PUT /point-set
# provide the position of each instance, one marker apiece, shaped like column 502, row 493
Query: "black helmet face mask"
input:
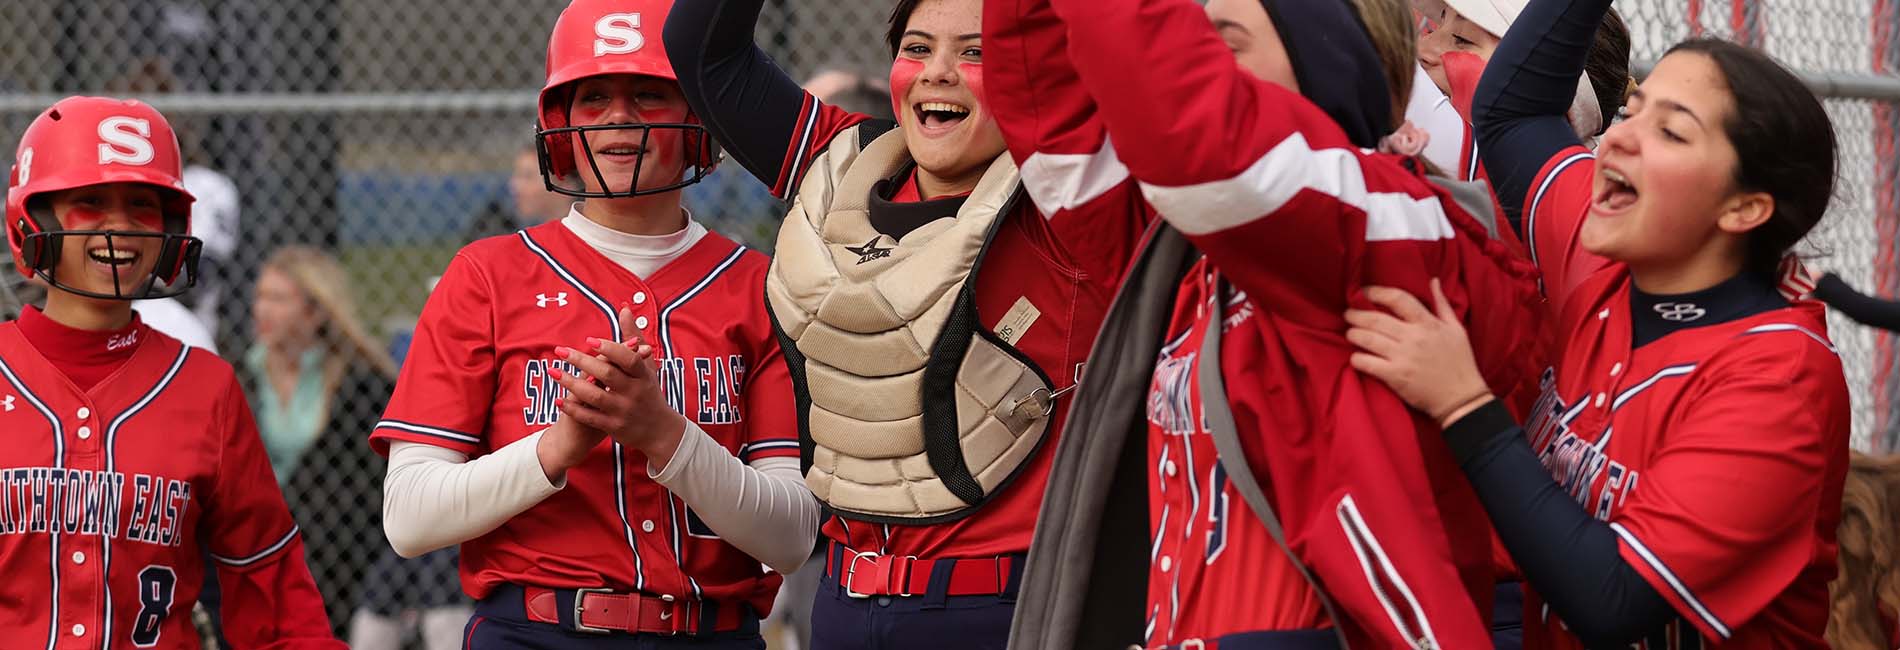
column 548, row 146
column 173, row 272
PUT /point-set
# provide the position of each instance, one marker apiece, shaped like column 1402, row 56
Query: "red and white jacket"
column 1297, row 221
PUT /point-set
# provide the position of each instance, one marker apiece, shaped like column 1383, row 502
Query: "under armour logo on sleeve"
column 559, row 299
column 8, row 403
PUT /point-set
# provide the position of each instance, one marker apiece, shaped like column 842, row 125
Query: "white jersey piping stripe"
column 1290, row 168
column 59, row 460
column 1065, row 181
column 1471, row 166
column 796, row 175
column 620, row 470
column 1529, row 216
column 1665, row 373
column 260, row 555
column 666, row 344
column 1366, row 546
column 1790, row 327
column 411, row 427
column 112, row 434
column 613, row 319
column 1675, row 584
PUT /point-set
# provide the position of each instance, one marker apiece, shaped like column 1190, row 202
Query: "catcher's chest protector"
column 911, row 410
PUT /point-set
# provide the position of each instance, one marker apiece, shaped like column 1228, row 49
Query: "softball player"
column 130, row 458
column 1679, row 483
column 595, row 408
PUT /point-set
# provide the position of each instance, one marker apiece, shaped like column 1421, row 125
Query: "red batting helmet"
column 83, row 141
column 602, row 37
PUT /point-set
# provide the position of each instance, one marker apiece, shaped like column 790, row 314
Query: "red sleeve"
column 447, row 385
column 1554, row 211
column 1748, row 472
column 1260, row 180
column 771, row 420
column 269, row 598
column 1060, row 145
column 817, row 124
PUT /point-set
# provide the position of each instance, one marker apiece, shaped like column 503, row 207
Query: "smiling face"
column 1665, row 175
column 937, row 81
column 1455, row 33
column 89, row 262
column 658, row 155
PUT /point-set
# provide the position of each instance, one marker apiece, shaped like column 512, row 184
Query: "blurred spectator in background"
column 214, row 220
column 172, row 317
column 528, row 203
column 852, row 91
column 318, row 383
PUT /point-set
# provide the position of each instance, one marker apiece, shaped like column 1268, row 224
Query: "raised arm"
column 760, row 116
column 1264, row 181
column 1051, row 125
column 1539, row 170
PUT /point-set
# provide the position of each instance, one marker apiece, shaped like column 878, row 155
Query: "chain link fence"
column 386, row 134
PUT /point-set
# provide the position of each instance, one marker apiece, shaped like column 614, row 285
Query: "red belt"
column 601, row 611
column 864, row 575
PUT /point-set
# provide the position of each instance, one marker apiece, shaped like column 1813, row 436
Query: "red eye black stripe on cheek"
column 972, row 74
column 904, row 71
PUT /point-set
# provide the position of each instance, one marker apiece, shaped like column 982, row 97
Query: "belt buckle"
column 580, row 600
column 852, row 570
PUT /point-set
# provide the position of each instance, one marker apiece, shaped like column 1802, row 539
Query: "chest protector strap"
column 912, row 411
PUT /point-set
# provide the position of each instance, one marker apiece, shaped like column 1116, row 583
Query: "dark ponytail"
column 1608, row 66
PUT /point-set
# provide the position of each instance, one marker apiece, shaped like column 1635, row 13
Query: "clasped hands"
column 616, row 395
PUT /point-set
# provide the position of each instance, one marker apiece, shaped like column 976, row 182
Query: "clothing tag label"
column 1016, row 323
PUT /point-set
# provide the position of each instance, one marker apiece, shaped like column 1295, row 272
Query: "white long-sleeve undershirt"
column 436, row 497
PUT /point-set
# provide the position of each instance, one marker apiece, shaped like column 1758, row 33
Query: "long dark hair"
column 1608, row 66
column 1784, row 144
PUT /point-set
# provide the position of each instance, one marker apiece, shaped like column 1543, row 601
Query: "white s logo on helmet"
column 618, row 34
column 125, row 140
column 25, row 166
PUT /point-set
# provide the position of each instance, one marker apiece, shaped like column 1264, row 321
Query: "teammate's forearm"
column 1518, row 113
column 1868, row 310
column 1570, row 558
column 435, row 498
column 737, row 92
column 763, row 509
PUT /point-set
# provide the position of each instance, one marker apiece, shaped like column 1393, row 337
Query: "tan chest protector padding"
column 914, row 412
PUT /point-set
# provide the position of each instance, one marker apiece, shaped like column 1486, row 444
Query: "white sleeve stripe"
column 1668, row 576
column 1529, row 216
column 1067, row 181
column 796, row 175
column 1365, row 544
column 1790, row 327
column 428, row 431
column 255, row 557
column 1290, row 168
